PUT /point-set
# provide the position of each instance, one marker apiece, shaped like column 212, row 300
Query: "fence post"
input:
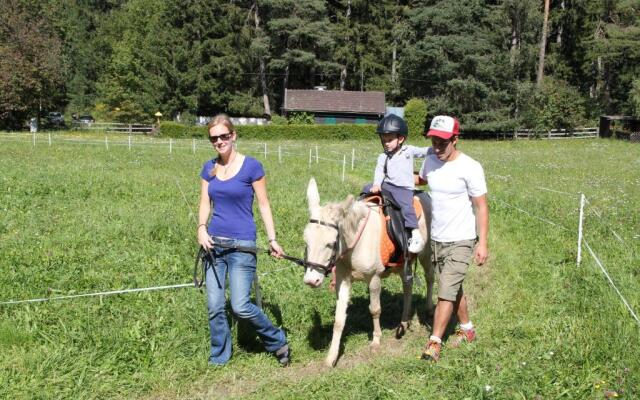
column 344, row 165
column 49, row 139
column 34, row 139
column 170, row 145
column 317, row 158
column 193, row 145
column 129, row 142
column 353, row 158
column 310, row 156
column 106, row 142
column 265, row 150
column 130, row 129
column 579, row 257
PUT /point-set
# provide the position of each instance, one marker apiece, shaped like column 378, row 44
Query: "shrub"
column 301, row 118
column 556, row 105
column 272, row 131
column 278, row 120
column 245, row 105
column 415, row 113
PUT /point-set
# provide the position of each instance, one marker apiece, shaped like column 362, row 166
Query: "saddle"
column 394, row 240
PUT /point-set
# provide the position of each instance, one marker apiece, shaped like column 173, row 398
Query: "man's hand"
column 374, row 189
column 481, row 253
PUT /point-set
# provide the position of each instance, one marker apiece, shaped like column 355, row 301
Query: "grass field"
column 84, row 215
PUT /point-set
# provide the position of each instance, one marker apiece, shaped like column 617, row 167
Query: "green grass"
column 77, row 218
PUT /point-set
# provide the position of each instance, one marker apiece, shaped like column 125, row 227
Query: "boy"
column 394, row 173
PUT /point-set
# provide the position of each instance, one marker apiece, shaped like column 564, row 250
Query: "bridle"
column 336, row 254
column 334, row 251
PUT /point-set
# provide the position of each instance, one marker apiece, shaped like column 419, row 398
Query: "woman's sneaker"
column 461, row 336
column 283, row 354
column 431, row 351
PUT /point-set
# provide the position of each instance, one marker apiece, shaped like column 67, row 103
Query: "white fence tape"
column 604, row 271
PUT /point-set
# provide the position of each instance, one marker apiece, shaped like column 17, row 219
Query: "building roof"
column 339, row 101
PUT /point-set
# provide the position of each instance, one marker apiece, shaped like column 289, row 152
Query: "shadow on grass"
column 359, row 318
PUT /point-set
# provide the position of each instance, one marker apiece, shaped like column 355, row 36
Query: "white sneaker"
column 416, row 243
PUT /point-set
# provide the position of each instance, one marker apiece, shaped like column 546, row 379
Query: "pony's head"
column 322, row 235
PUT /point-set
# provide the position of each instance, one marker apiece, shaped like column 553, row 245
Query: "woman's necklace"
column 226, row 166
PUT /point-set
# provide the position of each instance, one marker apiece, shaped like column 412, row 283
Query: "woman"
column 229, row 182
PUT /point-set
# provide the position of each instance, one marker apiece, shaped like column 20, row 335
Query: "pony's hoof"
column 401, row 329
column 330, row 362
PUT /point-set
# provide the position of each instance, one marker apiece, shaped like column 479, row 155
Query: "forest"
column 495, row 64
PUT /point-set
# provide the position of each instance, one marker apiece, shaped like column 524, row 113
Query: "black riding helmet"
column 393, row 124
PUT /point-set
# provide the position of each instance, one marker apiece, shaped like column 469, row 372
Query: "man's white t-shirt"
column 452, row 184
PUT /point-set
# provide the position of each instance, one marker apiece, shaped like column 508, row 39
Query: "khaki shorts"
column 451, row 261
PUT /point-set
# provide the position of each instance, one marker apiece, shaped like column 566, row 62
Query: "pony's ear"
column 313, row 197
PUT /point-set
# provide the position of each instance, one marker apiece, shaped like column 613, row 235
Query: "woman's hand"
column 375, row 189
column 276, row 250
column 204, row 239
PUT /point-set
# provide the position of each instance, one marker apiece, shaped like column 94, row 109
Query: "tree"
column 543, row 43
column 31, row 68
column 555, row 105
column 415, row 113
column 301, row 46
column 455, row 61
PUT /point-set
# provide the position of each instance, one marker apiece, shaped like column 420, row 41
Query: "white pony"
column 347, row 234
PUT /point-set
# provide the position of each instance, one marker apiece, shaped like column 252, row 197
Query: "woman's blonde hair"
column 217, row 120
column 221, row 119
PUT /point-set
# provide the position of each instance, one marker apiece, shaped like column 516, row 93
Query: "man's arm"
column 481, row 206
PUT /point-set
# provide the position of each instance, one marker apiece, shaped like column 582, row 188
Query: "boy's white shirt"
column 400, row 166
column 451, row 186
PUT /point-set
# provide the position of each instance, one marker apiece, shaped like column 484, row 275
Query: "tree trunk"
column 285, row 82
column 560, row 25
column 343, row 72
column 514, row 42
column 343, row 77
column 543, row 44
column 263, row 77
column 394, row 73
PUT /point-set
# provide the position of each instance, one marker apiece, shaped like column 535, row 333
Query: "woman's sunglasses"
column 224, row 137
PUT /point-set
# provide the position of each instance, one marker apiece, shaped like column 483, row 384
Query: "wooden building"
column 336, row 106
column 622, row 126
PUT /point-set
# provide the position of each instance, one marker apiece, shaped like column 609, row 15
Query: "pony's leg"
column 343, row 289
column 429, row 275
column 407, row 289
column 375, row 288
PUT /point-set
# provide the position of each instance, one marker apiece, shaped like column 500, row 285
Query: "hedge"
column 262, row 132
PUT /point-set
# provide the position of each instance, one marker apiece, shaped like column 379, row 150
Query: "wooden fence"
column 107, row 127
column 556, row 133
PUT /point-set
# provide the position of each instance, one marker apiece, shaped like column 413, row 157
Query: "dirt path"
column 390, row 348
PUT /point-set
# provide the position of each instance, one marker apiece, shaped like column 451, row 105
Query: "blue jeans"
column 403, row 197
column 241, row 267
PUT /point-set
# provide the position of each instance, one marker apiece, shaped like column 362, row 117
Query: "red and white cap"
column 444, row 127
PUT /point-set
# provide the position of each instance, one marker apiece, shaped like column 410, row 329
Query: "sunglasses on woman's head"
column 224, row 137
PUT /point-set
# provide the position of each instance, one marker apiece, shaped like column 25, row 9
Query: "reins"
column 207, row 255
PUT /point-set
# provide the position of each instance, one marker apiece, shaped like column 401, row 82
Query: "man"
column 459, row 228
